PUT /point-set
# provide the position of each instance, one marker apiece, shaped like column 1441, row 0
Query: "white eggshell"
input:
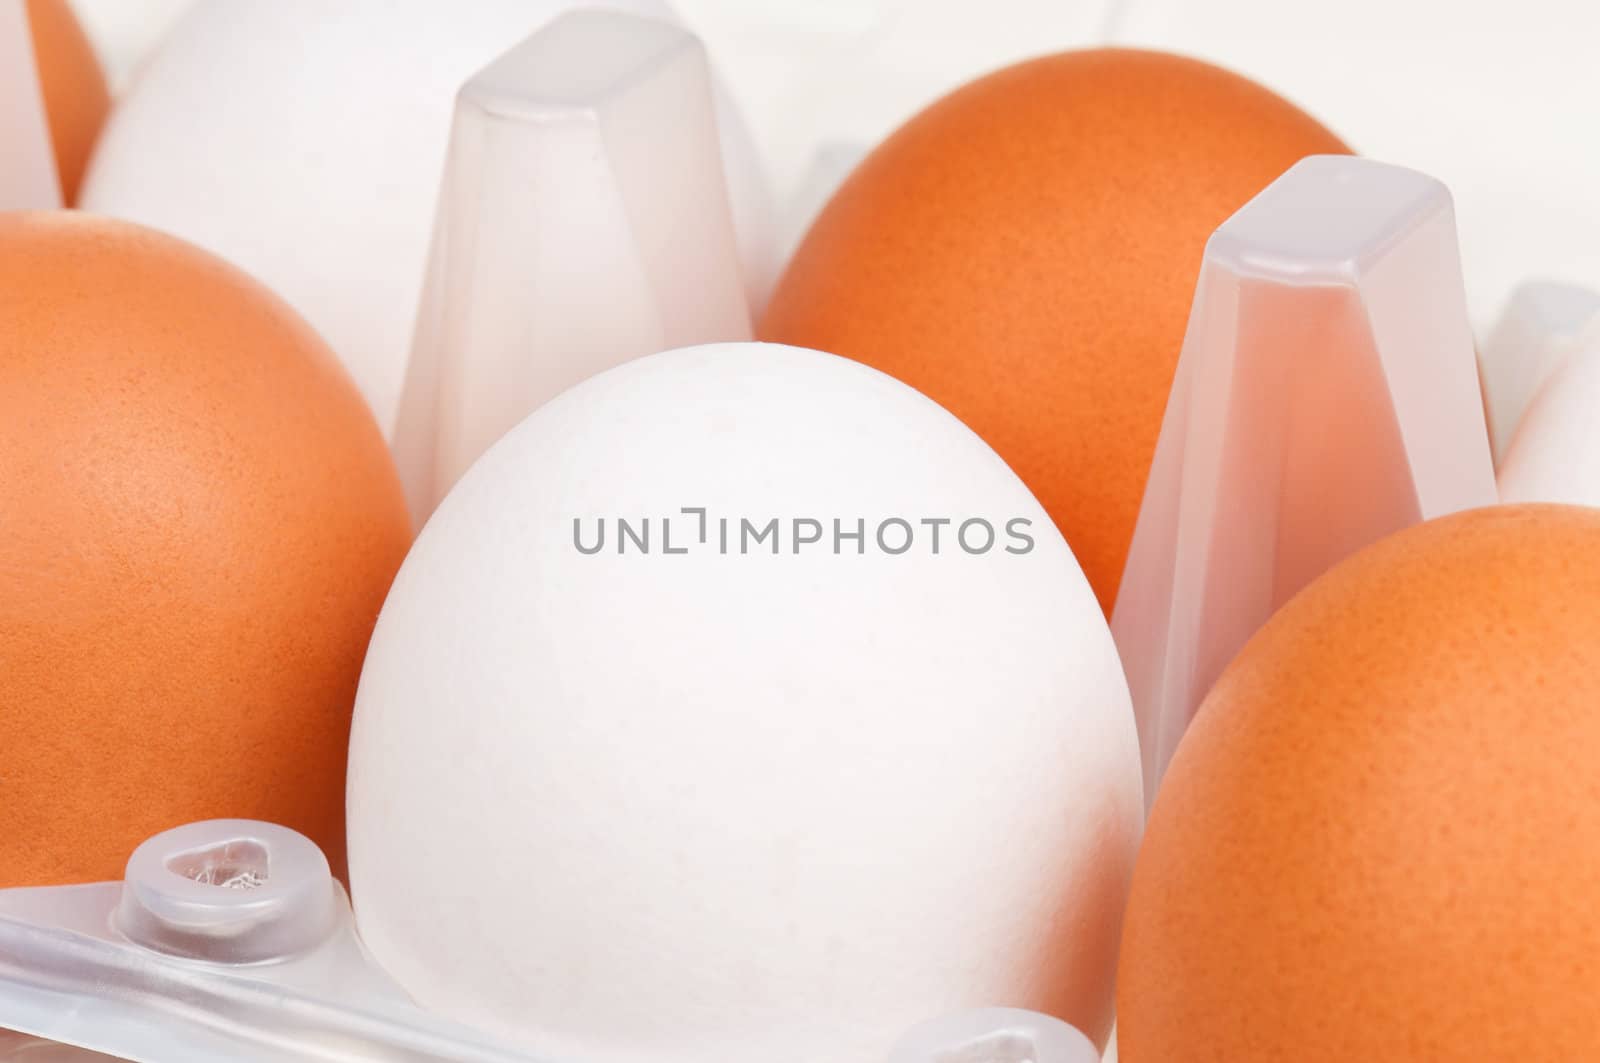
column 1555, row 454
column 304, row 141
column 736, row 806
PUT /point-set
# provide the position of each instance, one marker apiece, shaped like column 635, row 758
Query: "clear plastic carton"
column 1326, row 395
column 583, row 220
column 28, row 171
column 230, row 939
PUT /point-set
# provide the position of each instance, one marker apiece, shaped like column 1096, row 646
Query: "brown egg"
column 1025, row 251
column 74, row 88
column 198, row 524
column 1381, row 837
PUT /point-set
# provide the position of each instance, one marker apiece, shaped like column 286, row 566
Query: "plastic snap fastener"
column 228, row 891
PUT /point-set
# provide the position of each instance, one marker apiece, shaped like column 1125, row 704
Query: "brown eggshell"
column 74, row 88
column 1381, row 837
column 1024, row 252
column 198, row 523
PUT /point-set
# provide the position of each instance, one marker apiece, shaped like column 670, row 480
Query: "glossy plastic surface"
column 308, row 150
column 1541, row 370
column 1537, row 333
column 583, row 221
column 21, row 1048
column 27, row 160
column 227, row 939
column 995, row 1035
column 1326, row 396
column 833, row 162
column 810, row 73
column 1484, row 96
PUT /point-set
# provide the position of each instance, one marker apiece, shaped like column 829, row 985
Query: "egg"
column 198, row 523
column 741, row 704
column 305, row 142
column 71, row 88
column 1381, row 838
column 1024, row 251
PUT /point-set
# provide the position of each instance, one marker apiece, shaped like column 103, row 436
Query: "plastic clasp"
column 228, row 891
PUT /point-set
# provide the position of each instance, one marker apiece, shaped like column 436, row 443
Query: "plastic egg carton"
column 231, row 939
column 1329, row 306
column 29, row 174
column 633, row 244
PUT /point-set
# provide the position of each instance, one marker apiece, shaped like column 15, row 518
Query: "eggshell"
column 1381, row 837
column 305, row 141
column 711, row 806
column 74, row 88
column 1024, row 252
column 198, row 522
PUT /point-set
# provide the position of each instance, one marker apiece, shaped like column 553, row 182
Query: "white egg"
column 304, row 141
column 761, row 791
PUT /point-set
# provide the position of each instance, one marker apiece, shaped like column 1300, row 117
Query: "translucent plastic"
column 1533, row 339
column 995, row 1035
column 1542, row 365
column 834, row 162
column 815, row 72
column 227, row 939
column 1423, row 83
column 583, row 221
column 1326, row 396
column 27, row 160
column 21, row 1048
